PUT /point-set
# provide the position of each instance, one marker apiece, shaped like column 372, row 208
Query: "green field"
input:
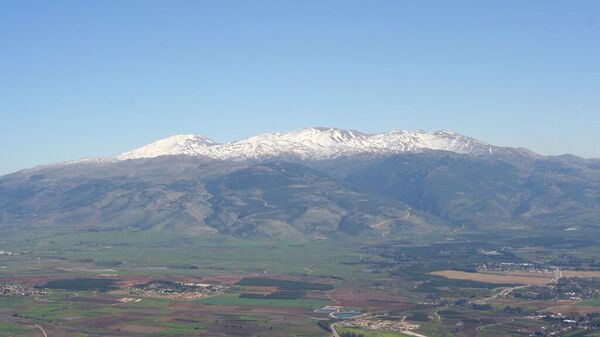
column 369, row 333
column 582, row 333
column 11, row 329
column 595, row 302
column 235, row 300
column 308, row 275
column 149, row 252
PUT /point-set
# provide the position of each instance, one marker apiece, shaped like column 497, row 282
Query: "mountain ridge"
column 401, row 195
column 315, row 143
column 314, row 182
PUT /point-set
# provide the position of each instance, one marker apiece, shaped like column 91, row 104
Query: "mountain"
column 199, row 196
column 316, row 182
column 483, row 192
column 314, row 143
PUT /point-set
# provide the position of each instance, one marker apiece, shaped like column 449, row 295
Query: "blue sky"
column 94, row 78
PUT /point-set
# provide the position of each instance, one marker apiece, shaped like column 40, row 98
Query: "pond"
column 346, row 315
column 328, row 309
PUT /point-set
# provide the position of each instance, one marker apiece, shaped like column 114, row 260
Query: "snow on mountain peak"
column 175, row 145
column 313, row 143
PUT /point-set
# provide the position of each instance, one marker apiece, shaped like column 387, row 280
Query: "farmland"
column 591, row 303
column 344, row 331
column 498, row 278
column 119, row 284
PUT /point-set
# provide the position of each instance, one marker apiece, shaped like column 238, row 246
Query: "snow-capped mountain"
column 361, row 190
column 176, row 145
column 313, row 143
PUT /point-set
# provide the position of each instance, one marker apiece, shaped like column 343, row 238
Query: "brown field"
column 582, row 310
column 369, row 298
column 517, row 278
column 575, row 273
column 316, row 294
column 260, row 289
column 229, row 279
column 130, row 281
column 137, row 329
column 534, row 304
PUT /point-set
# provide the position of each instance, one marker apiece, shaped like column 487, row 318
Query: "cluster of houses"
column 513, row 267
column 9, row 289
column 399, row 325
column 7, row 253
column 171, row 289
column 559, row 324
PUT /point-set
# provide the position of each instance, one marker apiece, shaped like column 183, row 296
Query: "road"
column 333, row 331
column 557, row 274
column 42, row 330
column 437, row 313
column 502, row 293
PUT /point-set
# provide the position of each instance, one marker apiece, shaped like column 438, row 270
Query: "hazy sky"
column 94, row 78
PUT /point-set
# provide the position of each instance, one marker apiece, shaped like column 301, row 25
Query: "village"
column 373, row 323
column 381, row 324
column 177, row 290
column 513, row 267
column 8, row 253
column 10, row 289
column 560, row 324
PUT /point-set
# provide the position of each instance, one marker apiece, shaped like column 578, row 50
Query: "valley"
column 137, row 283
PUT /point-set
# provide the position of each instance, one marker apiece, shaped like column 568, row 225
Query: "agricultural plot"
column 590, row 303
column 584, row 274
column 122, row 285
column 345, row 331
column 238, row 300
column 13, row 329
column 498, row 278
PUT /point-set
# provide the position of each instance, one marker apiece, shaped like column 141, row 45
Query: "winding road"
column 42, row 330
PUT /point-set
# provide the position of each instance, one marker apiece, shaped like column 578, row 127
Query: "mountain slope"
column 199, row 196
column 295, row 198
column 482, row 192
